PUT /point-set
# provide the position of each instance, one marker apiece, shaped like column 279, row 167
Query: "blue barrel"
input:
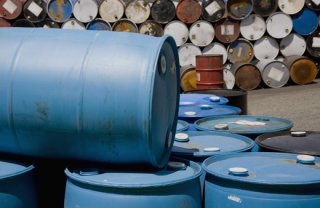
column 177, row 185
column 249, row 125
column 60, row 10
column 182, row 125
column 256, row 179
column 194, row 99
column 98, row 24
column 17, row 185
column 305, row 22
column 97, row 94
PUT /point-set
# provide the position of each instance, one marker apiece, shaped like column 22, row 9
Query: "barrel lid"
column 253, row 27
column 300, row 142
column 293, row 44
column 178, row 30
column 194, row 99
column 98, row 24
column 59, row 11
column 85, row 11
column 111, row 10
column 245, row 124
column 182, row 125
column 201, row 33
column 305, row 22
column 216, row 48
column 208, row 143
column 279, row 25
column 187, row 54
column 291, row 7
column 177, row 171
column 9, row 169
column 265, row 168
column 266, row 48
column 205, row 110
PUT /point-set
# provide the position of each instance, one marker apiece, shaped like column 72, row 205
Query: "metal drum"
column 201, row 33
column 188, row 53
column 111, row 10
column 253, row 27
column 299, row 142
column 196, row 98
column 302, row 69
column 4, row 23
column 239, row 9
column 313, row 44
column 85, row 11
column 163, row 11
column 10, row 9
column 17, row 185
column 228, row 78
column 22, row 23
column 213, row 10
column 227, row 30
column 182, row 126
column 305, row 22
column 178, row 30
column 118, row 132
column 216, row 48
column 236, row 97
column 191, row 113
column 73, row 24
column 265, row 8
column 279, row 25
column 99, row 24
column 152, row 28
column 266, row 48
column 275, row 74
column 35, row 10
column 313, row 4
column 188, row 11
column 125, row 25
column 293, row 44
column 188, row 78
column 48, row 23
column 247, row 76
column 240, row 51
column 177, row 185
column 249, row 125
column 138, row 11
column 60, row 10
column 291, row 6
column 209, row 70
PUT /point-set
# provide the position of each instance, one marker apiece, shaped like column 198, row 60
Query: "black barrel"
column 163, row 11
column 48, row 23
column 312, row 5
column 213, row 10
column 35, row 10
column 23, row 23
column 265, row 7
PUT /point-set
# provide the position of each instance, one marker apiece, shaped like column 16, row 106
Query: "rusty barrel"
column 239, row 9
column 227, row 30
column 10, row 9
column 247, row 76
column 151, row 27
column 209, row 70
column 240, row 50
column 125, row 25
column 188, row 11
column 213, row 10
column 188, row 78
column 302, row 69
column 265, row 7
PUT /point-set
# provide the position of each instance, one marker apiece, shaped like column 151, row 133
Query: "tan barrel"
column 188, row 78
column 247, row 76
column 125, row 25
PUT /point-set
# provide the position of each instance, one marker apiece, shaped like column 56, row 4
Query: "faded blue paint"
column 60, row 10
column 98, row 24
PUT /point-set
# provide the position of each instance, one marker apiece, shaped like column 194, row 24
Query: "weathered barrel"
column 266, row 48
column 255, row 179
column 188, row 53
column 10, row 9
column 60, row 10
column 291, row 7
column 216, row 48
column 227, row 30
column 201, row 33
column 138, row 11
column 313, row 44
column 188, row 11
column 303, row 70
column 305, row 22
column 99, row 24
column 279, row 25
column 265, row 7
column 253, row 27
column 48, row 23
column 188, row 78
column 213, row 10
column 111, row 10
column 177, row 185
column 63, row 103
column 163, row 11
column 152, row 28
column 240, row 50
column 239, row 9
column 35, row 10
column 178, row 30
column 125, row 25
column 293, row 44
column 22, row 23
column 247, row 76
column 73, row 24
column 85, row 11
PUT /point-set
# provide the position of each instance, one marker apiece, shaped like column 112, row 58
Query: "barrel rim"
column 27, row 168
column 184, row 123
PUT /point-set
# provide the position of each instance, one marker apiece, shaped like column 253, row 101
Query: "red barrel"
column 209, row 70
column 188, row 11
column 10, row 9
column 227, row 30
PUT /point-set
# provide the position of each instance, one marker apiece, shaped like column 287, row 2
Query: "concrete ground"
column 298, row 103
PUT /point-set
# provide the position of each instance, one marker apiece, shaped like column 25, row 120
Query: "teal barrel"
column 88, row 95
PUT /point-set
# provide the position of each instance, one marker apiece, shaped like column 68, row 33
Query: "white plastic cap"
column 306, row 159
column 190, row 113
column 221, row 126
column 298, row 133
column 211, row 149
column 214, row 99
column 182, row 137
column 238, row 171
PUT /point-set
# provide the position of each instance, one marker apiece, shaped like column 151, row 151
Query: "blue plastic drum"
column 195, row 99
column 177, row 185
column 268, row 180
column 305, row 22
column 182, row 125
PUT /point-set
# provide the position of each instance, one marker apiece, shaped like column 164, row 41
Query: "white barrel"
column 73, row 24
column 216, row 48
column 274, row 73
column 187, row 54
column 111, row 10
column 279, row 25
column 291, row 6
column 85, row 11
column 253, row 27
column 138, row 11
column 293, row 44
column 178, row 30
column 201, row 33
column 228, row 77
column 266, row 48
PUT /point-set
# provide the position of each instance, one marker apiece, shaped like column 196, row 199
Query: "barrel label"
column 275, row 74
column 316, row 2
column 35, row 9
column 213, row 8
column 227, row 29
column 198, row 77
column 234, row 198
column 9, row 6
column 239, row 52
column 316, row 42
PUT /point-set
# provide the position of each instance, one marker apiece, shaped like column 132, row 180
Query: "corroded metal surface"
column 125, row 25
column 188, row 11
column 152, row 28
column 10, row 9
column 240, row 51
column 227, row 30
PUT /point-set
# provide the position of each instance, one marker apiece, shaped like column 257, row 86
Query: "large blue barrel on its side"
column 177, row 185
column 305, row 22
column 88, row 95
column 17, row 185
column 268, row 180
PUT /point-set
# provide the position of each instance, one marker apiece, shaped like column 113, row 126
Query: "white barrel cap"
column 214, row 98
column 181, row 137
column 211, row 149
column 306, row 159
column 238, row 171
column 221, row 126
column 298, row 133
column 190, row 113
